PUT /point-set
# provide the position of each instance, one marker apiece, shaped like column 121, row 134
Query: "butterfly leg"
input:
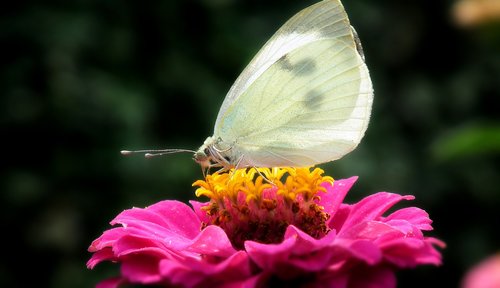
column 264, row 176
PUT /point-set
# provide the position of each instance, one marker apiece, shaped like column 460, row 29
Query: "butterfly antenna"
column 155, row 153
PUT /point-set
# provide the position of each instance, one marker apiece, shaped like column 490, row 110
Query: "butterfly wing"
column 305, row 98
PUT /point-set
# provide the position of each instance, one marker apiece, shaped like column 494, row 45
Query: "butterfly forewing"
column 325, row 19
column 305, row 98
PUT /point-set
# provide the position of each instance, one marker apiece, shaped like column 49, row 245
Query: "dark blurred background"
column 82, row 80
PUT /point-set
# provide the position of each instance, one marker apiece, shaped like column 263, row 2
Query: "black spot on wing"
column 305, row 67
column 312, row 99
column 285, row 63
column 299, row 68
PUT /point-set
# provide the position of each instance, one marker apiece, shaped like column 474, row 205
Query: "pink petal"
column 304, row 243
column 141, row 268
column 132, row 245
column 99, row 256
column 211, row 241
column 334, row 196
column 197, row 207
column 114, row 282
column 190, row 272
column 369, row 230
column 338, row 219
column 169, row 215
column 297, row 249
column 360, row 249
column 416, row 216
column 371, row 207
column 408, row 253
column 106, row 239
column 406, row 228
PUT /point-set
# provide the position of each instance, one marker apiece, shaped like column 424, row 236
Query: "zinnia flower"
column 290, row 229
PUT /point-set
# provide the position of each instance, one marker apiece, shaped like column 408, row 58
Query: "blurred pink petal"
column 486, row 274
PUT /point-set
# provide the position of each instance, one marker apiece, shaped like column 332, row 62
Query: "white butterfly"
column 304, row 99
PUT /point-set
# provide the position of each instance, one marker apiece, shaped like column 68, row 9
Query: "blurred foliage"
column 82, row 80
column 468, row 142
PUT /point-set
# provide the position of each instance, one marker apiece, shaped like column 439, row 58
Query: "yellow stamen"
column 248, row 207
column 249, row 181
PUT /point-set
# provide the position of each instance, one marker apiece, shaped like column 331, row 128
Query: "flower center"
column 249, row 207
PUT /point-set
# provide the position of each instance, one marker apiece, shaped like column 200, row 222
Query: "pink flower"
column 486, row 274
column 169, row 243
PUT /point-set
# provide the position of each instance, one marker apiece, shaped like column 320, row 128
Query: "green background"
column 82, row 80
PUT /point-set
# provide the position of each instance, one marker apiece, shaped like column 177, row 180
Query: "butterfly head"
column 214, row 153
column 202, row 157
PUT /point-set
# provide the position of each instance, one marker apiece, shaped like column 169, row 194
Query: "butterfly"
column 304, row 99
